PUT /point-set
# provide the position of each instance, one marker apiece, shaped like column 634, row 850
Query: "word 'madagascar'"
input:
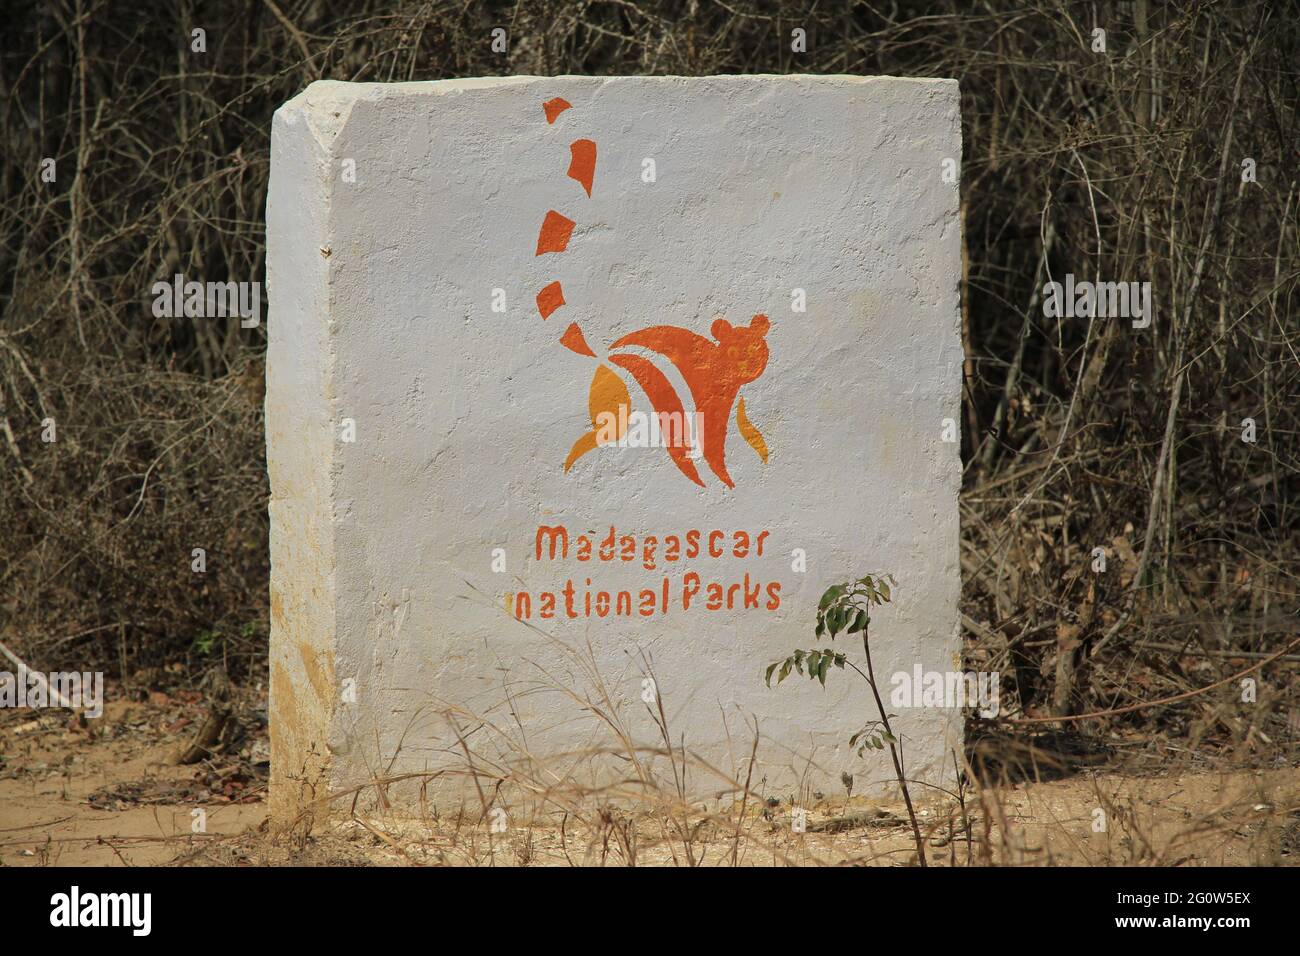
column 625, row 547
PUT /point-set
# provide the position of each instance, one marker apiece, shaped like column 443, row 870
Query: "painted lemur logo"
column 714, row 370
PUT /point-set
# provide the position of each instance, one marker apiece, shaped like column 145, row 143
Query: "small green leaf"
column 832, row 593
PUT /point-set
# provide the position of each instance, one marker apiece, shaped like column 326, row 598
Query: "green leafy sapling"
column 846, row 608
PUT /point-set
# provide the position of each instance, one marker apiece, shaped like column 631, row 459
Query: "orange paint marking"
column 664, row 399
column 555, row 233
column 573, row 341
column 550, row 299
column 583, row 165
column 554, row 108
column 609, row 399
column 750, row 432
column 713, row 371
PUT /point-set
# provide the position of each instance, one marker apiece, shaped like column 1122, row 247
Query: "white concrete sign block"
column 576, row 376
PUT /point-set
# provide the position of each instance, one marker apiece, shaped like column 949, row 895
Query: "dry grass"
column 622, row 801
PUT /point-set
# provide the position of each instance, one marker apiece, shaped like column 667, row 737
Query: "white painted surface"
column 382, row 548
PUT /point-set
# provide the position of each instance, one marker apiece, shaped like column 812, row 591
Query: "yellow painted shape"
column 749, row 432
column 607, row 396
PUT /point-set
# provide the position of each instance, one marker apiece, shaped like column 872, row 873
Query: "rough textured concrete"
column 382, row 294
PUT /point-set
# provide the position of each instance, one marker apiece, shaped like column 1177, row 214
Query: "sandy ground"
column 109, row 793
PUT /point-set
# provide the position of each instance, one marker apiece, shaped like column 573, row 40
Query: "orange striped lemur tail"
column 713, row 369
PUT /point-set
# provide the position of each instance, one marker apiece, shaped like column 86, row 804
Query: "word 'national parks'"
column 572, row 600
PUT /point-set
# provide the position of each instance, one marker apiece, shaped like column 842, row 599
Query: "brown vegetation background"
column 1124, row 165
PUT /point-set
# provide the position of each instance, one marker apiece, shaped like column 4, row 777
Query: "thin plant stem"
column 893, row 750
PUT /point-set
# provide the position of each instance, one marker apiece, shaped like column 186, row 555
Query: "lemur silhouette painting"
column 713, row 369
